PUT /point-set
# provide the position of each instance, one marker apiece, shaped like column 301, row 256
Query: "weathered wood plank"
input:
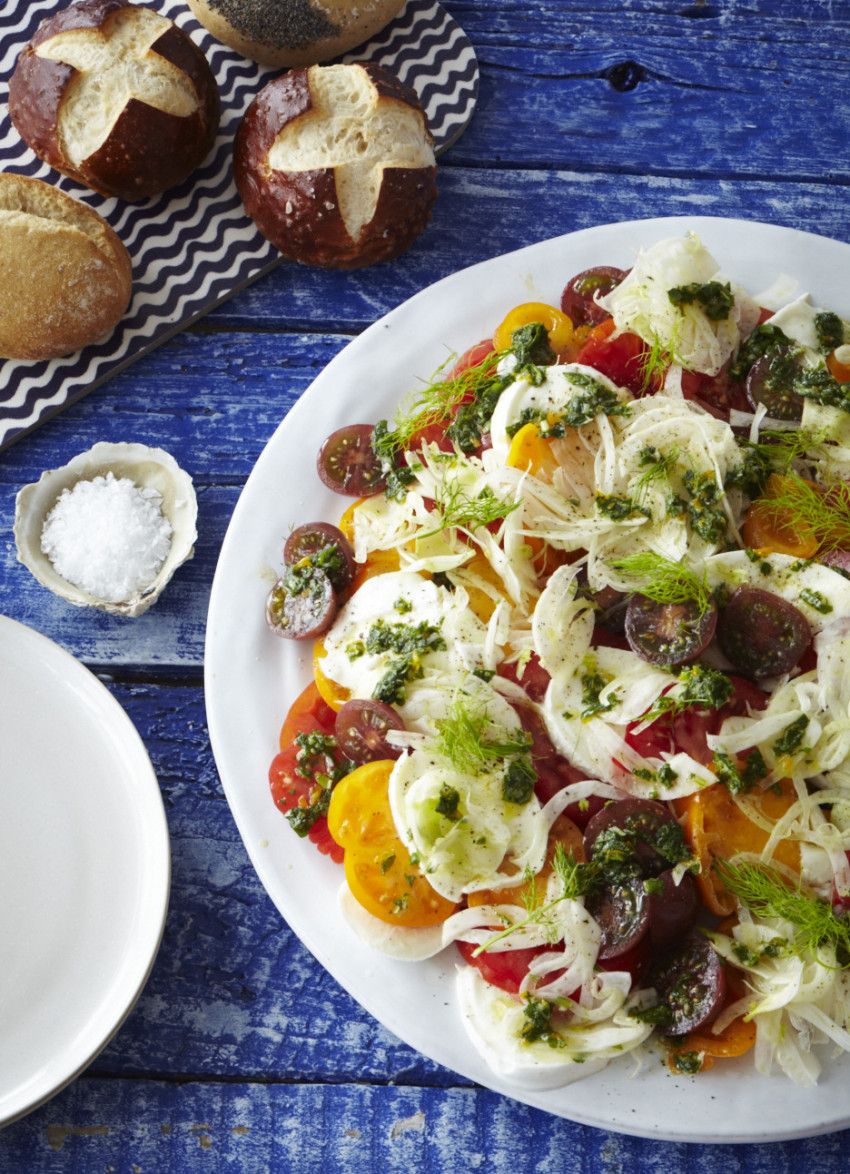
column 516, row 208
column 233, row 993
column 135, row 1126
column 709, row 90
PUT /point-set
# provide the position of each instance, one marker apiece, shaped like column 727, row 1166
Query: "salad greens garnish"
column 662, row 580
column 455, row 507
column 410, row 642
column 830, row 331
column 765, row 339
column 537, row 1026
column 592, row 684
column 795, row 504
column 470, row 739
column 791, row 738
column 767, row 895
column 739, row 780
column 434, row 403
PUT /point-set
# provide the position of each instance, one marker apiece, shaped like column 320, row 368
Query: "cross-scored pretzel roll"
column 115, row 96
column 335, row 165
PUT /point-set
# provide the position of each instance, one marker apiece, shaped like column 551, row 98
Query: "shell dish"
column 149, row 468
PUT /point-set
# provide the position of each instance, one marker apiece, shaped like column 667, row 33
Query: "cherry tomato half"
column 578, row 301
column 689, row 978
column 347, row 463
column 327, row 547
column 361, row 729
column 668, row 634
column 302, row 604
column 770, row 381
column 766, row 530
column 622, row 913
column 762, row 634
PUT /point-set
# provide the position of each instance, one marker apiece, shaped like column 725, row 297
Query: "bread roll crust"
column 65, row 277
column 292, row 33
column 147, row 149
column 299, row 210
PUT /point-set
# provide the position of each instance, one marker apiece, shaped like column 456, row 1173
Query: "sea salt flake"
column 108, row 537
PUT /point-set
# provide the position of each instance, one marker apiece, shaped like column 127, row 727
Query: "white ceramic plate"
column 84, row 867
column 252, row 676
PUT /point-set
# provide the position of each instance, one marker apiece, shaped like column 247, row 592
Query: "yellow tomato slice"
column 716, row 826
column 378, row 868
column 558, row 325
column 532, row 453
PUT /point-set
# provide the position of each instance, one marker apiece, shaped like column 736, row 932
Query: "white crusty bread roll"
column 289, row 33
column 117, row 97
column 65, row 277
column 335, row 165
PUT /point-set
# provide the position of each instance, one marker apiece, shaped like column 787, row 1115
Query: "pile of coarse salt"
column 108, row 537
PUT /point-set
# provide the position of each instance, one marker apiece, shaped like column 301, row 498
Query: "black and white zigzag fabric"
column 193, row 246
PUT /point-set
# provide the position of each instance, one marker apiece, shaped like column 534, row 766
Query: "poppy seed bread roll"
column 289, row 33
column 65, row 277
column 335, row 165
column 117, row 97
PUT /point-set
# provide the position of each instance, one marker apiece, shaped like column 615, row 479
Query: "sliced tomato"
column 716, row 827
column 688, row 731
column 505, row 969
column 534, row 679
column 766, row 529
column 291, row 786
column 378, row 867
column 623, row 358
column 308, row 712
column 558, row 326
column 472, row 357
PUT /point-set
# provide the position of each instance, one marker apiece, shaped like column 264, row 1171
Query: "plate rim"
column 217, row 722
column 151, row 827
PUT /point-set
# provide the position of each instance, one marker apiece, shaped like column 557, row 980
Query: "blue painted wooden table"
column 241, row 1053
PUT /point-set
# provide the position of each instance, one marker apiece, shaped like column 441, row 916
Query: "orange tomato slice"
column 378, row 868
column 715, row 826
column 331, row 693
column 837, row 369
column 765, row 531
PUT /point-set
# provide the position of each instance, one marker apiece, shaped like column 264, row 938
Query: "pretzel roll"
column 117, row 97
column 335, row 165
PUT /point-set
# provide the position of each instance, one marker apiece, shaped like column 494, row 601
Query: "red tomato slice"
column 472, row 357
column 534, row 679
column 622, row 358
column 506, row 970
column 290, row 788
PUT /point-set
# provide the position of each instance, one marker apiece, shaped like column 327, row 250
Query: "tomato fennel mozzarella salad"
column 581, row 707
